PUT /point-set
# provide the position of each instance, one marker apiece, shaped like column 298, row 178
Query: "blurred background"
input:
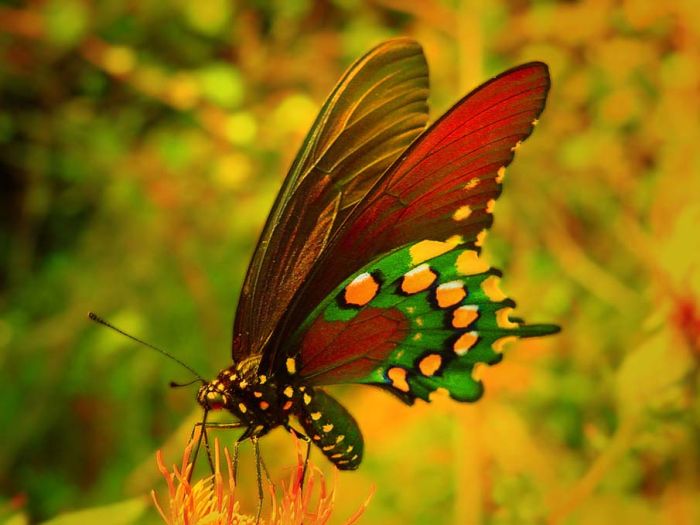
column 141, row 145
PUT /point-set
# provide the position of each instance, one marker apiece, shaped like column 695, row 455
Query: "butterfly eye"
column 212, row 397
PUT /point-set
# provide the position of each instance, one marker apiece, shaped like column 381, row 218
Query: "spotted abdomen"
column 332, row 428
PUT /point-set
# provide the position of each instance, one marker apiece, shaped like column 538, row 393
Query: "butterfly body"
column 262, row 404
column 368, row 269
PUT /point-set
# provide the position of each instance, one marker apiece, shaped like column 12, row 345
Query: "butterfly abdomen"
column 331, row 428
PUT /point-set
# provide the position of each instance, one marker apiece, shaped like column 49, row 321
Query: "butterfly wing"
column 376, row 110
column 443, row 187
column 422, row 318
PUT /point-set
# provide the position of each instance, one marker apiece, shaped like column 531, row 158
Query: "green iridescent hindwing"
column 457, row 318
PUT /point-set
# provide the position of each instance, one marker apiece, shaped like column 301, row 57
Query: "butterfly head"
column 250, row 397
column 213, row 395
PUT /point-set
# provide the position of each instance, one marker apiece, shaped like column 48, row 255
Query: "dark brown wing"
column 374, row 113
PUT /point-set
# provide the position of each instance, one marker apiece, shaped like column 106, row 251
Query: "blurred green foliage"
column 141, row 145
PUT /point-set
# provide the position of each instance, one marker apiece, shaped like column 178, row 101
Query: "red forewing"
column 443, row 185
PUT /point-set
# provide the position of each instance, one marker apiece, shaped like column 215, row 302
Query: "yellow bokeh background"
column 141, row 146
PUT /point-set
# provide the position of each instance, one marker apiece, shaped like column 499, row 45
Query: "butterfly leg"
column 204, row 436
column 235, row 461
column 258, row 462
column 307, row 440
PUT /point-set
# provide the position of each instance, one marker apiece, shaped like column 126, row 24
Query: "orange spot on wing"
column 490, row 205
column 469, row 263
column 449, row 294
column 430, row 364
column 398, row 379
column 463, row 316
column 491, row 288
column 361, row 290
column 418, row 279
column 479, row 371
column 465, row 342
column 503, row 318
column 499, row 344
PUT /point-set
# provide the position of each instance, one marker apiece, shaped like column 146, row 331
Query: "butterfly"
column 367, row 270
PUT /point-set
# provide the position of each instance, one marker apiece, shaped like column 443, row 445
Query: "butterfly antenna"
column 94, row 317
column 174, row 384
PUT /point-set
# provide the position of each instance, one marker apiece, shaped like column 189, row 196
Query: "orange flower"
column 212, row 500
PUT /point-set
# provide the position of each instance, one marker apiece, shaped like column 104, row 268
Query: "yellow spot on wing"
column 469, row 263
column 417, row 336
column 499, row 344
column 462, row 213
column 424, row 250
column 503, row 318
column 418, row 279
column 449, row 294
column 289, row 391
column 340, row 438
column 490, row 205
column 242, row 408
column 315, row 416
column 491, row 288
column 291, row 365
column 307, row 399
column 463, row 316
column 479, row 371
column 398, row 379
column 439, row 393
column 472, row 183
column 500, row 174
column 328, row 447
column 430, row 364
column 328, row 427
column 480, row 238
column 465, row 342
column 516, row 147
